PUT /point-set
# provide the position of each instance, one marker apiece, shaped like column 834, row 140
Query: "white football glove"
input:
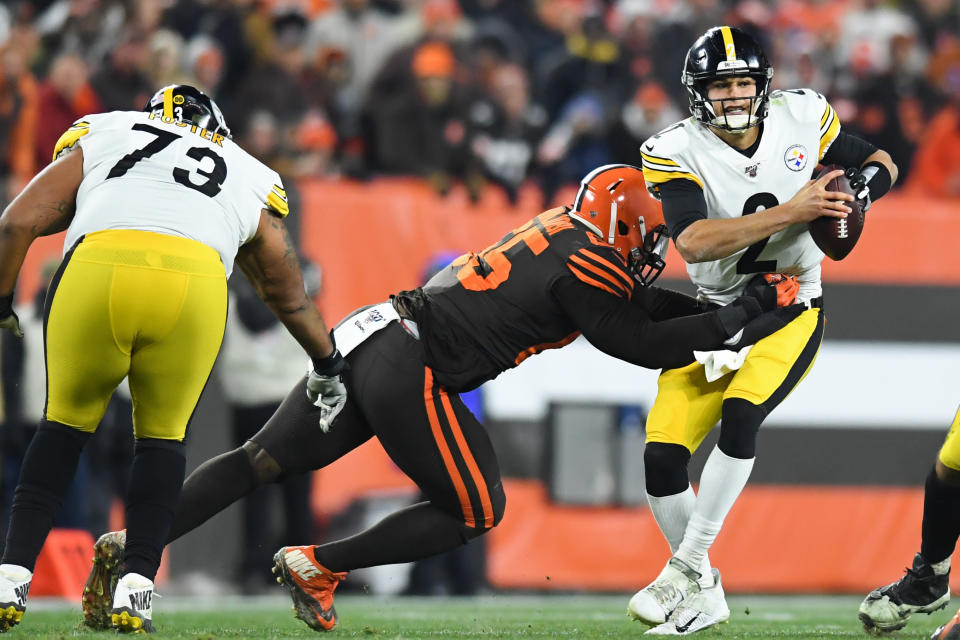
column 12, row 324
column 8, row 318
column 328, row 393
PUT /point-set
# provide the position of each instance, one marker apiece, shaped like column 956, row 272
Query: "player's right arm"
column 270, row 263
column 45, row 206
column 705, row 239
column 597, row 293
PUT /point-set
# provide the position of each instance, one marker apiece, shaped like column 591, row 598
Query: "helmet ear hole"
column 622, row 228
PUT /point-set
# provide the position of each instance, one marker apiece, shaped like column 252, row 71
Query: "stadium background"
column 406, row 129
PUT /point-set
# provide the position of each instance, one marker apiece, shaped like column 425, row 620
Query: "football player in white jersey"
column 157, row 205
column 735, row 184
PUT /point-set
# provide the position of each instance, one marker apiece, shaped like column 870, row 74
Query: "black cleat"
column 919, row 591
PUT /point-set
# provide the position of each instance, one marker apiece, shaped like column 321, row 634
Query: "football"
column 837, row 237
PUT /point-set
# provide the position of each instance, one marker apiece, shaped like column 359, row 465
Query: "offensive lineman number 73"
column 214, row 178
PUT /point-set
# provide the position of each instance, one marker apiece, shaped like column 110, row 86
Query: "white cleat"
column 700, row 610
column 14, row 586
column 133, row 605
column 653, row 604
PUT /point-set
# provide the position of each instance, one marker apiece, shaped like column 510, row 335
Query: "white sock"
column 671, row 514
column 942, row 567
column 722, row 481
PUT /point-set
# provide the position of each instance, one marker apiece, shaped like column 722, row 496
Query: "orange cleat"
column 311, row 585
column 949, row 631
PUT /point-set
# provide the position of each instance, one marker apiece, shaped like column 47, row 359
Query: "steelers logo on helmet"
column 186, row 103
column 727, row 52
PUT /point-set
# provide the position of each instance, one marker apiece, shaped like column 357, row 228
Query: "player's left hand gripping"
column 329, row 393
column 858, row 183
column 9, row 319
column 325, row 388
column 773, row 290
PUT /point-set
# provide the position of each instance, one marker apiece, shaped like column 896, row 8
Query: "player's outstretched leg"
column 653, row 604
column 97, row 598
column 920, row 590
column 132, row 610
column 311, row 585
column 14, row 585
column 698, row 611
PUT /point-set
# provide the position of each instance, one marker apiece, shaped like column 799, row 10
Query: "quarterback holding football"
column 735, row 182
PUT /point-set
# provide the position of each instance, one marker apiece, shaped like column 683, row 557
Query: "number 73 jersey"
column 143, row 172
column 797, row 132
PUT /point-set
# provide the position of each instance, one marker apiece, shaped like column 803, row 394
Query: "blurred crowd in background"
column 482, row 92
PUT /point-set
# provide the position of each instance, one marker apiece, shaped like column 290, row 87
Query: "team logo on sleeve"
column 796, row 157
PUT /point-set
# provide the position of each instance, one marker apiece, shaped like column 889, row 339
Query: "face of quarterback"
column 732, row 100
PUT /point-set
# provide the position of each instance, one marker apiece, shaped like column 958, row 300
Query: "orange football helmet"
column 611, row 203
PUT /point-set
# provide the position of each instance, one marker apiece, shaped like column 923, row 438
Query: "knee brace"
column 665, row 468
column 739, row 425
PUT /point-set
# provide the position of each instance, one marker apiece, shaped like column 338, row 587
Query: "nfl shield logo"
column 796, row 157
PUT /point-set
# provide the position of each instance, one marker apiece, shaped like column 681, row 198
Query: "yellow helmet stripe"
column 728, row 45
column 168, row 102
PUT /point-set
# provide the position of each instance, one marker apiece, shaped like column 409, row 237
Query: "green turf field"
column 494, row 616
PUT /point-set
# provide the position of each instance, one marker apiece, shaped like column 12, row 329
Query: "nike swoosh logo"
column 683, row 628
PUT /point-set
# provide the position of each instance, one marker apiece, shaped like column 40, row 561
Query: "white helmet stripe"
column 590, row 176
column 611, row 236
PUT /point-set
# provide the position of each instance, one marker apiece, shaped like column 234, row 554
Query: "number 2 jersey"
column 539, row 288
column 143, row 172
column 798, row 130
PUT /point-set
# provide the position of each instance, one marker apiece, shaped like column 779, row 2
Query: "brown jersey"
column 487, row 312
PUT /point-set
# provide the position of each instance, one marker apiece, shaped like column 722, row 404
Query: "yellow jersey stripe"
column 828, row 136
column 277, row 203
column 728, row 45
column 70, row 137
column 280, row 192
column 830, row 115
column 168, row 103
column 658, row 160
column 826, row 114
column 659, row 167
column 655, row 176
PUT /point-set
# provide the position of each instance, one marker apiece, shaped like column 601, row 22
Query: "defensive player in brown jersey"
column 570, row 271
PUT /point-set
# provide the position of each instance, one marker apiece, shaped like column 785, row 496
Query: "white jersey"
column 144, row 172
column 798, row 130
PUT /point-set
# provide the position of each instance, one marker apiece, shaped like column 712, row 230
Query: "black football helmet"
column 726, row 52
column 183, row 102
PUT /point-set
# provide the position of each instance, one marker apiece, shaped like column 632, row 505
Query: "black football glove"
column 858, row 184
column 9, row 319
column 763, row 325
column 772, row 290
column 735, row 316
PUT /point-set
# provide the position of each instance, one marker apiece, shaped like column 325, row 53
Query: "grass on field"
column 494, row 616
